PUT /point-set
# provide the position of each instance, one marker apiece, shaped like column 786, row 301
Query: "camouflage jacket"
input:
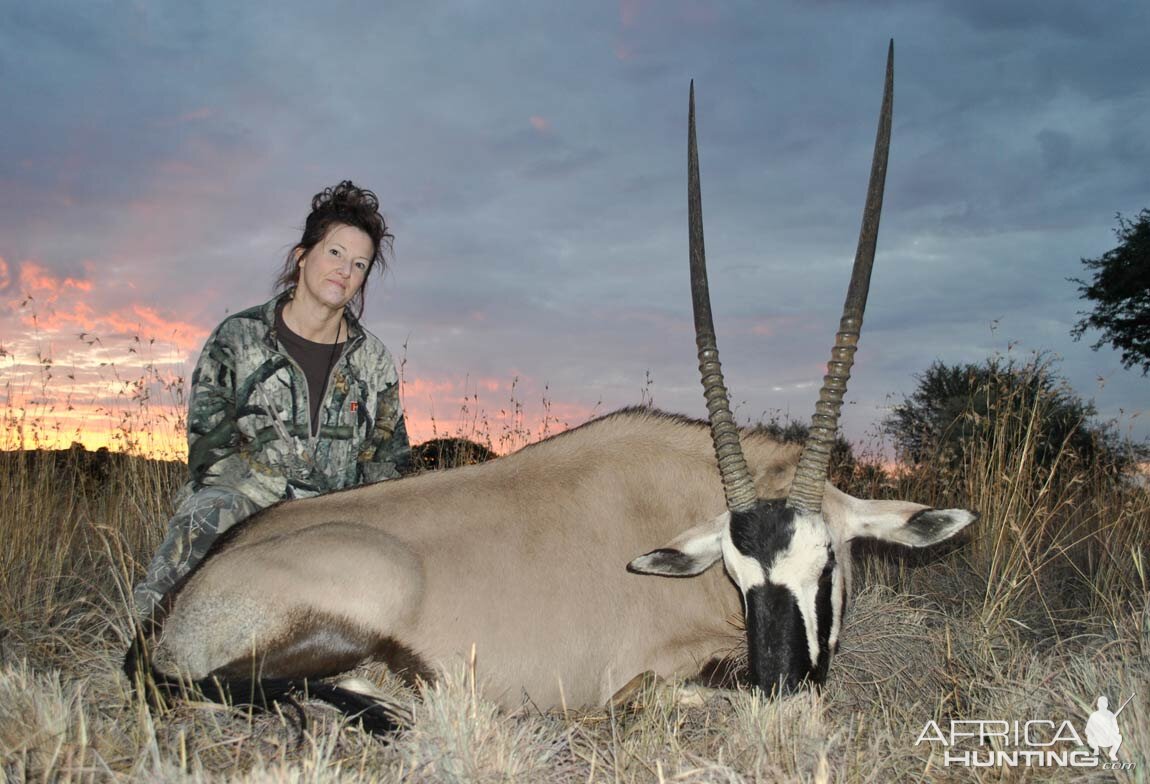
column 249, row 418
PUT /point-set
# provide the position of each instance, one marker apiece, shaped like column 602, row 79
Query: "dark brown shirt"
column 315, row 359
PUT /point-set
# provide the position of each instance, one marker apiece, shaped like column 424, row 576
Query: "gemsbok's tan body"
column 523, row 557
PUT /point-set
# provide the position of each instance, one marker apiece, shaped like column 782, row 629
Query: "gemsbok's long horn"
column 810, row 476
column 737, row 484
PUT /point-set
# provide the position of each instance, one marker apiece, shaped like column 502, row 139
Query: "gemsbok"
column 525, row 559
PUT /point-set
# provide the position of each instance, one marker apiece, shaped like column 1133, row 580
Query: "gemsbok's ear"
column 688, row 554
column 934, row 525
column 900, row 522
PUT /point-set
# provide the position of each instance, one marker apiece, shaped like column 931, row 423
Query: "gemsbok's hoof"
column 635, row 692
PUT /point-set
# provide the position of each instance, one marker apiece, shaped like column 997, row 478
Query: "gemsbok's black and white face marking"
column 785, row 562
column 790, row 567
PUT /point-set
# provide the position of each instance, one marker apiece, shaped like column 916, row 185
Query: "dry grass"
column 1041, row 608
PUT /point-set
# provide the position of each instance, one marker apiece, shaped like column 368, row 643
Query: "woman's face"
column 334, row 270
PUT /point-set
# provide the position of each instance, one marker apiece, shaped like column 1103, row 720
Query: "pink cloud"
column 41, row 283
column 541, row 124
column 505, row 412
column 425, row 387
column 189, row 335
column 4, row 278
column 65, row 303
column 629, row 11
column 777, row 325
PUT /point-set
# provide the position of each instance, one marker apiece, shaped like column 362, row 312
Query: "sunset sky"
column 159, row 158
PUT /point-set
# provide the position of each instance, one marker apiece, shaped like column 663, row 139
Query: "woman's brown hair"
column 345, row 204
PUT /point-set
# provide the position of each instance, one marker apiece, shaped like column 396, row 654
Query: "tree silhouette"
column 1120, row 291
column 1005, row 405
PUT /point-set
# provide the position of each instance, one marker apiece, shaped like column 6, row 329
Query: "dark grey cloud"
column 531, row 160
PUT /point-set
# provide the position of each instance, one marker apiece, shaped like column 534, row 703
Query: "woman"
column 291, row 398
